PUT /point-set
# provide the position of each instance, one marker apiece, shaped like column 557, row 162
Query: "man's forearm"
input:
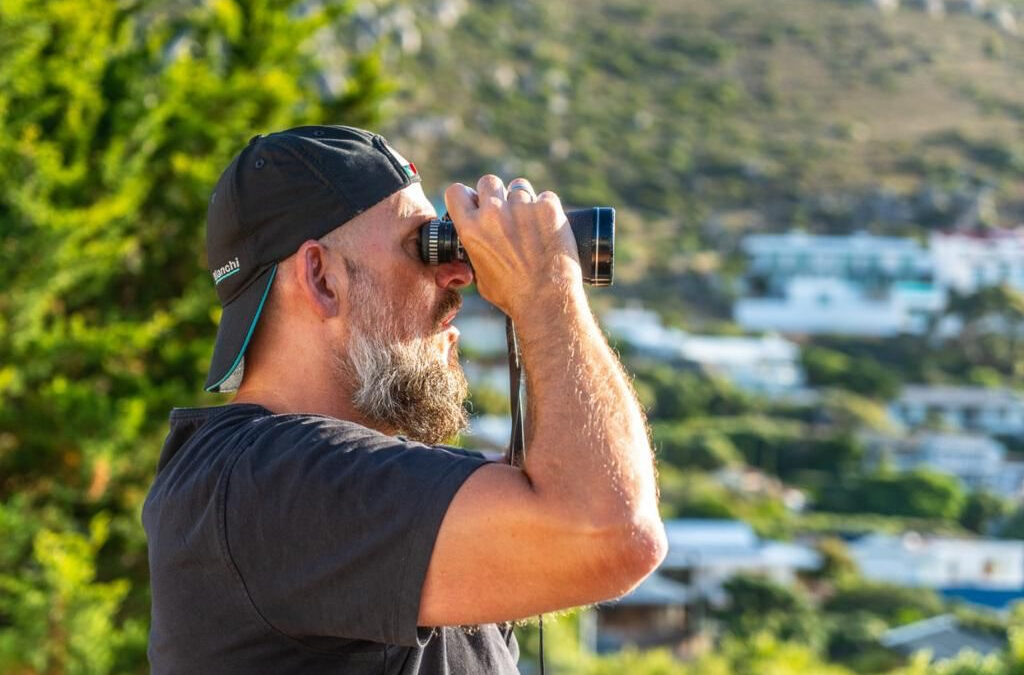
column 587, row 443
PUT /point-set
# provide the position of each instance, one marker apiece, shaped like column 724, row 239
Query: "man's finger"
column 460, row 200
column 520, row 190
column 490, row 188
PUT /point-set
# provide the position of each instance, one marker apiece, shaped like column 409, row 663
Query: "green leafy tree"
column 859, row 374
column 920, row 494
column 685, row 447
column 115, row 120
column 893, row 604
column 757, row 605
column 993, row 327
column 981, row 510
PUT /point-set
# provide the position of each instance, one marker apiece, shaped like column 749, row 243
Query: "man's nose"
column 455, row 274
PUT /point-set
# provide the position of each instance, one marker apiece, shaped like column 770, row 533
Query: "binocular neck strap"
column 517, row 442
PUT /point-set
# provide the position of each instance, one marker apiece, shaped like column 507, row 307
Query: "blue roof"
column 996, row 599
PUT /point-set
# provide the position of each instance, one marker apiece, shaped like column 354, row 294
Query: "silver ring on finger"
column 525, row 188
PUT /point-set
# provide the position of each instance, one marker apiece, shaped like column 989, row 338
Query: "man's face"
column 400, row 355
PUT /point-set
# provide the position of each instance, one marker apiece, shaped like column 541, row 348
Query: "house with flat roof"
column 760, row 364
column 998, row 411
column 840, row 306
column 774, row 259
column 982, row 571
column 979, row 461
column 967, row 262
column 704, row 554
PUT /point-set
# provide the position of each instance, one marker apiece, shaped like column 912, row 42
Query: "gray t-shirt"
column 299, row 544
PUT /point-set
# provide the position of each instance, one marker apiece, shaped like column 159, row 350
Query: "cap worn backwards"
column 283, row 189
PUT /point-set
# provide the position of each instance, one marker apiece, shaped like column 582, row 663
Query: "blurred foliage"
column 757, row 605
column 828, row 368
column 115, row 120
column 683, row 447
column 918, row 494
column 982, row 510
column 892, row 604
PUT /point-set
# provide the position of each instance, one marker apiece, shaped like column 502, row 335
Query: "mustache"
column 451, row 301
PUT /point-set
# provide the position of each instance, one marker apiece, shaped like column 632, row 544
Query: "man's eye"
column 412, row 245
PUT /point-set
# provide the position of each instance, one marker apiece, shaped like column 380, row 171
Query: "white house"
column 835, row 305
column 706, row 553
column 979, row 461
column 862, row 284
column 968, row 262
column 941, row 562
column 768, row 364
column 987, row 410
column 776, row 258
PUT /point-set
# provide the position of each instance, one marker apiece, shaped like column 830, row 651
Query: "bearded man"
column 315, row 524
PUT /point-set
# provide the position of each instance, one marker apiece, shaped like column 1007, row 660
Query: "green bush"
column 919, row 494
column 757, row 604
column 116, row 119
column 684, row 447
column 862, row 375
column 895, row 605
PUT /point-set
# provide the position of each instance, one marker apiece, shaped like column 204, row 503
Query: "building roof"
column 959, row 396
column 985, row 597
column 738, row 349
column 942, row 636
column 858, row 241
column 913, row 543
column 731, row 544
column 654, row 591
column 643, row 329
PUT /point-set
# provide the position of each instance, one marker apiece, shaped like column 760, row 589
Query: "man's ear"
column 320, row 279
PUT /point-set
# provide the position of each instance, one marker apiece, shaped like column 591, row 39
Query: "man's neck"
column 329, row 402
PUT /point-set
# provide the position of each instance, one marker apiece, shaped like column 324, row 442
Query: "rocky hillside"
column 710, row 118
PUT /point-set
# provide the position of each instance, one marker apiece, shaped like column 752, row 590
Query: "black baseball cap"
column 283, row 189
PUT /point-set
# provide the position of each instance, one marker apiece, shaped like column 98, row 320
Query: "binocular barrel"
column 593, row 228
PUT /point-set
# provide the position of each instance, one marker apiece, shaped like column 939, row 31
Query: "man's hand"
column 578, row 522
column 521, row 244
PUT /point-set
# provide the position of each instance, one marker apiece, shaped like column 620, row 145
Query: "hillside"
column 707, row 119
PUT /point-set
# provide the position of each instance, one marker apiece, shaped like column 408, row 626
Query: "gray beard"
column 402, row 384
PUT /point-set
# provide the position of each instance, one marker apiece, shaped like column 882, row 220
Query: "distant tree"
column 757, row 604
column 1013, row 526
column 853, row 634
column 837, row 563
column 981, row 510
column 685, row 447
column 993, row 327
column 920, row 494
column 860, row 374
column 674, row 394
column 893, row 604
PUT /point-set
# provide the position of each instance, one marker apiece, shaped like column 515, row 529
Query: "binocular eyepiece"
column 593, row 228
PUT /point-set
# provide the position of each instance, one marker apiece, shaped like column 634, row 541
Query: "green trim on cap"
column 248, row 336
column 225, row 276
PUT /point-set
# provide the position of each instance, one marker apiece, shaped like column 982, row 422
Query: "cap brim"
column 237, row 325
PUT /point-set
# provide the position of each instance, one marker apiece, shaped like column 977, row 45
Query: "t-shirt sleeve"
column 331, row 526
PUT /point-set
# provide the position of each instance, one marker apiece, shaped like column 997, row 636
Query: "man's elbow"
column 637, row 551
column 645, row 547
